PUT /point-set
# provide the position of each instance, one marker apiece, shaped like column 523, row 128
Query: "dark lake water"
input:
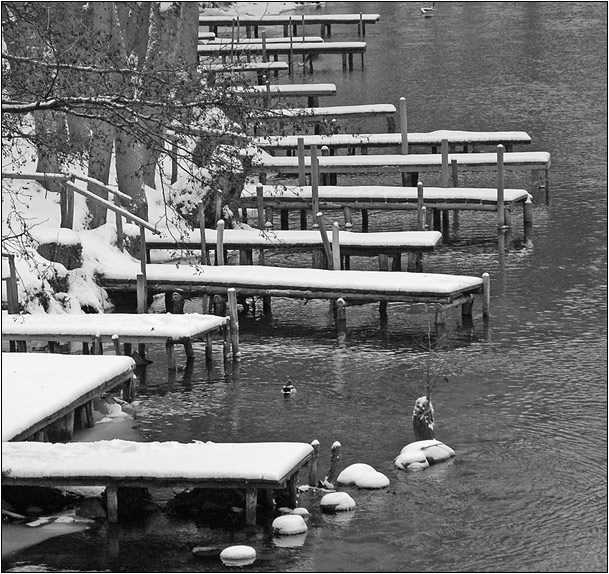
column 525, row 407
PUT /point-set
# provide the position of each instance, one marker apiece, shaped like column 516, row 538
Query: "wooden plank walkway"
column 311, row 91
column 391, row 244
column 130, row 328
column 468, row 140
column 383, row 198
column 118, row 463
column 441, row 290
column 264, row 163
column 39, row 389
column 237, row 43
column 308, row 49
column 317, row 114
column 262, row 69
column 325, row 20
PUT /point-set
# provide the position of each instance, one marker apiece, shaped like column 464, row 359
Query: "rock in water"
column 239, row 555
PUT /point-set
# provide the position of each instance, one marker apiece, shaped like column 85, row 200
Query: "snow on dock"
column 319, row 113
column 433, row 139
column 383, row 198
column 442, row 290
column 39, row 388
column 250, row 466
column 130, row 328
column 325, row 20
column 358, row 244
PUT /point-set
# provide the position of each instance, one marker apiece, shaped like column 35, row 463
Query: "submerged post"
column 500, row 188
column 234, row 322
column 313, row 463
column 486, row 295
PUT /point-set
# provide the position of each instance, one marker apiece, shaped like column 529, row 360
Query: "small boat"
column 428, row 12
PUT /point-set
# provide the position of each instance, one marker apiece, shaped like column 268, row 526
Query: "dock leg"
column 303, row 219
column 440, row 315
column 234, row 322
column 251, row 500
column 284, row 219
column 341, row 316
column 171, row 356
column 313, row 464
column 293, row 490
column 351, row 62
column 266, row 305
column 467, row 312
column 112, row 503
column 383, row 311
column 396, row 265
column 226, row 340
column 190, row 353
column 365, row 220
column 486, row 294
column 347, row 215
column 208, row 347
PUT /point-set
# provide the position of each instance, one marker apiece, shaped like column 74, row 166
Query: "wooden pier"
column 282, row 91
column 364, row 198
column 262, row 69
column 318, row 114
column 387, row 244
column 326, row 21
column 538, row 161
column 350, row 287
column 40, row 390
column 307, row 49
column 469, row 141
column 251, row 467
column 95, row 330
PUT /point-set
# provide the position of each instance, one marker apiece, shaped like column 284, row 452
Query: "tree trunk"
column 129, row 172
column 100, row 160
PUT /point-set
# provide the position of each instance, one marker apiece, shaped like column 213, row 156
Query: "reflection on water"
column 525, row 407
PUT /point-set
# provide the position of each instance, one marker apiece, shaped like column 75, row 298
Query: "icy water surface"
column 525, row 411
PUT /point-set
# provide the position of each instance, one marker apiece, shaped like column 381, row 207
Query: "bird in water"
column 288, row 389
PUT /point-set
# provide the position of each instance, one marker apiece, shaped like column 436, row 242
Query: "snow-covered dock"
column 442, row 291
column 468, row 140
column 307, row 49
column 264, row 163
column 302, row 115
column 118, row 463
column 357, row 244
column 254, row 22
column 383, row 197
column 41, row 389
column 279, row 91
column 261, row 68
column 96, row 329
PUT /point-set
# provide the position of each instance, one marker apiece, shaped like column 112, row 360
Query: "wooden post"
column 234, row 322
column 265, row 57
column 527, row 210
column 500, row 188
column 444, row 149
column 486, row 295
column 347, row 214
column 172, row 361
column 220, row 242
column 291, row 54
column 333, row 470
column 341, row 315
column 335, row 246
column 267, row 93
column 205, row 260
column 251, row 500
column 420, row 208
column 116, row 343
column 141, row 305
column 325, row 152
column 314, row 181
column 302, row 176
column 324, row 239
column 112, row 503
column 313, row 463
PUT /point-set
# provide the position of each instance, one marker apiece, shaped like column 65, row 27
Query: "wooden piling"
column 333, row 470
column 444, row 151
column 324, row 238
column 141, row 304
column 314, row 180
column 97, row 345
column 116, row 344
column 313, row 463
column 325, row 152
column 404, row 126
column 219, row 205
column 265, row 57
column 341, row 315
column 234, row 322
column 220, row 242
column 335, row 246
column 500, row 187
column 486, row 295
column 420, row 207
column 112, row 503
